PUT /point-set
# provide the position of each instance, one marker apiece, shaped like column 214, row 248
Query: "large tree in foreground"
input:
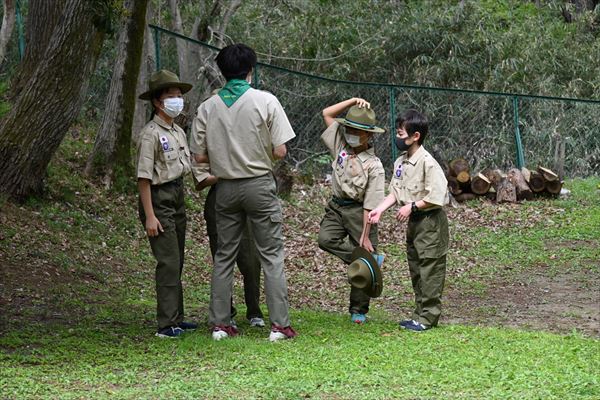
column 111, row 156
column 49, row 99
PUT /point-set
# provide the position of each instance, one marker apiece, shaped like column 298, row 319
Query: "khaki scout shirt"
column 239, row 140
column 358, row 177
column 419, row 177
column 162, row 153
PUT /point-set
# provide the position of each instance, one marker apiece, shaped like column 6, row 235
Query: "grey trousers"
column 247, row 259
column 255, row 199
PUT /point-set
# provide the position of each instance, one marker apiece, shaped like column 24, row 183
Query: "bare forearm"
column 334, row 110
column 146, row 196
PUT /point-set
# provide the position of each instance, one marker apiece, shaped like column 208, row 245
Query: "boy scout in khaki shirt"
column 241, row 132
column 419, row 186
column 163, row 158
column 358, row 186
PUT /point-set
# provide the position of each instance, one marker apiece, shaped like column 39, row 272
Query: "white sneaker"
column 257, row 322
column 275, row 336
column 219, row 334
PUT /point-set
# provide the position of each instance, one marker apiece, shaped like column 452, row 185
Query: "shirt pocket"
column 360, row 182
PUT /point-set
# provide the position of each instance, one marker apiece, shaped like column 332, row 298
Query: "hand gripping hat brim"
column 364, row 273
column 164, row 79
column 361, row 118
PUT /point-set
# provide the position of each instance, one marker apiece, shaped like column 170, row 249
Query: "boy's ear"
column 416, row 136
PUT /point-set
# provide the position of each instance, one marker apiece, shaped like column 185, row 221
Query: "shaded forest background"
column 536, row 47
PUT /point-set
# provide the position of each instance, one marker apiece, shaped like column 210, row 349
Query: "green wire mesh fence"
column 489, row 130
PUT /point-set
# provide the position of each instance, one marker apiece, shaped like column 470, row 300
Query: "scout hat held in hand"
column 364, row 273
column 362, row 118
column 161, row 80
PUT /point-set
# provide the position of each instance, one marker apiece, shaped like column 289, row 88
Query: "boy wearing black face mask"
column 358, row 181
column 420, row 188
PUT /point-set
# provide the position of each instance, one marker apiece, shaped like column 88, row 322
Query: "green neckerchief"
column 233, row 90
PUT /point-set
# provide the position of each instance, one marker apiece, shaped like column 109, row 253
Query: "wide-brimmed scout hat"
column 361, row 118
column 161, row 80
column 364, row 273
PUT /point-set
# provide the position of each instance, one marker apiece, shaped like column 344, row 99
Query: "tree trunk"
column 43, row 16
column 522, row 188
column 181, row 44
column 142, row 107
column 111, row 156
column 45, row 108
column 8, row 25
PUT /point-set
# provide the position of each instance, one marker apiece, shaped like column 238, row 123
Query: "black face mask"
column 401, row 144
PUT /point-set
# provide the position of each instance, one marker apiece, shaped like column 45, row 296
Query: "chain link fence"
column 489, row 130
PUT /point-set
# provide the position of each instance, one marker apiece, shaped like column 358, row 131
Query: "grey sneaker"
column 257, row 322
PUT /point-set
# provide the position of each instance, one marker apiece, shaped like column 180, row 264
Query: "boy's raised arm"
column 334, row 110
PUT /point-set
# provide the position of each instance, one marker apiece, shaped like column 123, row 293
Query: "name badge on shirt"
column 398, row 171
column 342, row 157
column 164, row 142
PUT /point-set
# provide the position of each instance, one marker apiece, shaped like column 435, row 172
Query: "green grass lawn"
column 77, row 306
column 330, row 359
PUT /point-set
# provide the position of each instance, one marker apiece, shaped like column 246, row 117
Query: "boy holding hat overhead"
column 163, row 158
column 358, row 186
column 420, row 188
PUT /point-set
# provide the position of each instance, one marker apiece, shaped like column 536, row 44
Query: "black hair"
column 235, row 61
column 156, row 95
column 413, row 121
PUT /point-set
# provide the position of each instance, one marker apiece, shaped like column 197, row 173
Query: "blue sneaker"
column 379, row 258
column 415, row 326
column 187, row 326
column 405, row 322
column 358, row 318
column 170, row 332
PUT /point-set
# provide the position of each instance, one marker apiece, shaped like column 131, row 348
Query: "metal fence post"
column 519, row 145
column 157, row 48
column 255, row 77
column 21, row 37
column 392, row 122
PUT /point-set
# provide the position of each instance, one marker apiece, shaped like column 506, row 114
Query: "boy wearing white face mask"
column 163, row 157
column 358, row 180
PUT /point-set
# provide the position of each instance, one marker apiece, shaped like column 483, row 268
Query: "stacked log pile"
column 512, row 186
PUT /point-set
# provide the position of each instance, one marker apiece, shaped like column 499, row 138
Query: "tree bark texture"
column 143, row 107
column 506, row 191
column 43, row 17
column 112, row 148
column 52, row 97
column 8, row 25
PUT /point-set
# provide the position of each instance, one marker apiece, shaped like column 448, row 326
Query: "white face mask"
column 173, row 106
column 352, row 140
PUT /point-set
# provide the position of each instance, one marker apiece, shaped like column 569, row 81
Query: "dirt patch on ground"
column 536, row 300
